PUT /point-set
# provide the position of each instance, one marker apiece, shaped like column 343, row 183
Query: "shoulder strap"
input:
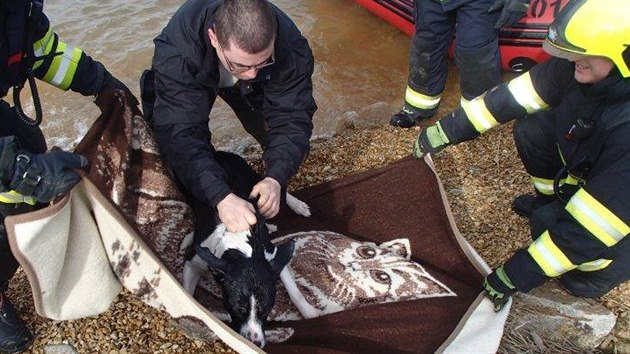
column 599, row 138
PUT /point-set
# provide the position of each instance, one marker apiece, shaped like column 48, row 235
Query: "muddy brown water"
column 360, row 71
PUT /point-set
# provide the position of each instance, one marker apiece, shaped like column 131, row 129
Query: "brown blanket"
column 421, row 293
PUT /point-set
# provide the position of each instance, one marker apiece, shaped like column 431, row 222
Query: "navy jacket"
column 186, row 70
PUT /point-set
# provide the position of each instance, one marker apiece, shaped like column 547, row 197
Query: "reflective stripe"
column 63, row 67
column 421, row 101
column 571, row 180
column 596, row 218
column 549, row 257
column 543, row 185
column 524, row 93
column 479, row 115
column 504, row 278
column 13, row 197
column 442, row 134
column 594, row 265
column 43, row 46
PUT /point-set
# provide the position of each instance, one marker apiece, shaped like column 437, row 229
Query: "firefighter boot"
column 409, row 116
column 525, row 204
column 14, row 335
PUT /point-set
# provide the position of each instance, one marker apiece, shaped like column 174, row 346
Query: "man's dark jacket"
column 186, row 83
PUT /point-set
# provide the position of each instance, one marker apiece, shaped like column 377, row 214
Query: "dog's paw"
column 271, row 228
column 298, row 206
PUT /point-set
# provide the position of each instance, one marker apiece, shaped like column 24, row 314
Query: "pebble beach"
column 481, row 178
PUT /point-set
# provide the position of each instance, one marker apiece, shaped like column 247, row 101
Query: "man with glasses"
column 252, row 55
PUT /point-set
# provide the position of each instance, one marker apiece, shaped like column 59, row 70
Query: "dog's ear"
column 283, row 256
column 213, row 261
column 260, row 229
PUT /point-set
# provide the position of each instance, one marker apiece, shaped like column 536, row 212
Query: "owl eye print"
column 336, row 273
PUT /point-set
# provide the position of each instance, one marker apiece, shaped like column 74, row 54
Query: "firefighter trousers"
column 536, row 141
column 476, row 47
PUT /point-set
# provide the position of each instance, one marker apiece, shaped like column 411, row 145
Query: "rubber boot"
column 14, row 335
column 524, row 205
column 409, row 116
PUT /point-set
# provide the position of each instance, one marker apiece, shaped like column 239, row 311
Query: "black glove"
column 111, row 83
column 430, row 140
column 45, row 176
column 499, row 288
column 513, row 11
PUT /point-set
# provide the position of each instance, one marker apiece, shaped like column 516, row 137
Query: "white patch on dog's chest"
column 222, row 240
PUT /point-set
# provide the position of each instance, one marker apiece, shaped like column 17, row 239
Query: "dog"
column 247, row 265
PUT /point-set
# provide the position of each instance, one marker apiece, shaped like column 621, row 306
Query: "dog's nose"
column 256, row 338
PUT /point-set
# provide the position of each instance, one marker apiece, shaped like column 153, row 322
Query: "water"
column 360, row 71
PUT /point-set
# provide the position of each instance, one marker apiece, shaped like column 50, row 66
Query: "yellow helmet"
column 592, row 27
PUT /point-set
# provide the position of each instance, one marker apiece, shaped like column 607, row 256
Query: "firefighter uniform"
column 477, row 56
column 476, row 50
column 572, row 136
column 29, row 175
column 32, row 45
column 577, row 149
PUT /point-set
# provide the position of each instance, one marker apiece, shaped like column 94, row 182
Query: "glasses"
column 238, row 68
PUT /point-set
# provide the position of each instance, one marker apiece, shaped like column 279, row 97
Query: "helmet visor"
column 557, row 44
column 551, row 49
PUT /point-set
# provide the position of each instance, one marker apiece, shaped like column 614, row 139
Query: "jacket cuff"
column 524, row 273
column 215, row 198
column 278, row 177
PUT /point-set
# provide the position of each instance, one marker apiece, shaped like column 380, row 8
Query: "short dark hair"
column 250, row 24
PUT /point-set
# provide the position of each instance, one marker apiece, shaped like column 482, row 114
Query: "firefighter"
column 476, row 24
column 572, row 129
column 29, row 175
column 249, row 53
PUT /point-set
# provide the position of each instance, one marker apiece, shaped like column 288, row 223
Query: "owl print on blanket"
column 337, row 273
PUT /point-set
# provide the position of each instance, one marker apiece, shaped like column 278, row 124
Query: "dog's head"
column 248, row 281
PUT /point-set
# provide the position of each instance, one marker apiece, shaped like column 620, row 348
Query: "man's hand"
column 431, row 139
column 236, row 213
column 46, row 176
column 513, row 11
column 268, row 190
column 499, row 288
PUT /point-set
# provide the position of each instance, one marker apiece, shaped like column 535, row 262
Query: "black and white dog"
column 247, row 264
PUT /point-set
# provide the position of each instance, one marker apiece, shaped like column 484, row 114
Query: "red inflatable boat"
column 521, row 45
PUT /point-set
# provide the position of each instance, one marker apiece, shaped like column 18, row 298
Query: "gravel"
column 481, row 177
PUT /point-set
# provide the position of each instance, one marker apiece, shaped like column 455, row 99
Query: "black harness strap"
column 35, row 11
column 22, row 18
column 597, row 139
